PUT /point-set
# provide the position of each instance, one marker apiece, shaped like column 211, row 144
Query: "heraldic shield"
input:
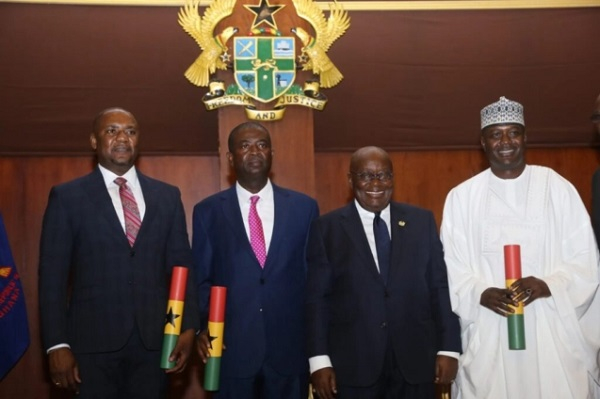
column 264, row 67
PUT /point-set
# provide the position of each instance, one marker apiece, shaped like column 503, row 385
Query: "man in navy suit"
column 379, row 319
column 264, row 356
column 103, row 296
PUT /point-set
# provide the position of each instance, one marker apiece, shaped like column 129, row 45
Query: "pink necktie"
column 130, row 210
column 257, row 236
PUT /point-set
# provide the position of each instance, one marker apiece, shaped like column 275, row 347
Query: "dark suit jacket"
column 351, row 314
column 596, row 204
column 113, row 285
column 264, row 315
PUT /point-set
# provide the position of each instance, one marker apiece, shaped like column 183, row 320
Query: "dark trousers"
column 132, row 372
column 390, row 385
column 267, row 384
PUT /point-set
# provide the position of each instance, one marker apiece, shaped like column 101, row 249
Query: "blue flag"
column 14, row 330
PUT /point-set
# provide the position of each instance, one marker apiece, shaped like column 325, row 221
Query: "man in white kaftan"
column 534, row 207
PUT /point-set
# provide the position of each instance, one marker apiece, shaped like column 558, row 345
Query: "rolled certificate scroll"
column 216, row 326
column 174, row 314
column 516, row 321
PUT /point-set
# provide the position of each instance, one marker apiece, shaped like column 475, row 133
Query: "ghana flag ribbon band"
column 174, row 315
column 515, row 321
column 216, row 326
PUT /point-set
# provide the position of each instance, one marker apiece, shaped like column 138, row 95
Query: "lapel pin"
column 401, row 223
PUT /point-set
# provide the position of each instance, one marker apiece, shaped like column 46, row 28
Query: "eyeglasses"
column 595, row 118
column 367, row 177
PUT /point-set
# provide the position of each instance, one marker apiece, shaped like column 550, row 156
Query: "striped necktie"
column 130, row 210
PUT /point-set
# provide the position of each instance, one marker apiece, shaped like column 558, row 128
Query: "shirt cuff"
column 319, row 362
column 455, row 355
column 52, row 348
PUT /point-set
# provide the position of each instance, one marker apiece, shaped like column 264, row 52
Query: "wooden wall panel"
column 292, row 141
column 421, row 178
column 196, row 177
column 413, row 79
column 424, row 178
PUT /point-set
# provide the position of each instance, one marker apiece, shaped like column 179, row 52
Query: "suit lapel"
column 281, row 218
column 231, row 210
column 150, row 193
column 97, row 193
column 351, row 223
column 398, row 229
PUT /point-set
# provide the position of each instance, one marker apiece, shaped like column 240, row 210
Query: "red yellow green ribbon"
column 174, row 315
column 516, row 320
column 216, row 326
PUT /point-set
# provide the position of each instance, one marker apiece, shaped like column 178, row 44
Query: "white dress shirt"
column 265, row 208
column 113, row 190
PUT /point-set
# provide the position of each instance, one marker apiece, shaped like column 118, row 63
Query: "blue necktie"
column 383, row 244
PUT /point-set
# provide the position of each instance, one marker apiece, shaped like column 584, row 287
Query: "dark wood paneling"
column 421, row 178
column 425, row 178
column 412, row 79
column 292, row 143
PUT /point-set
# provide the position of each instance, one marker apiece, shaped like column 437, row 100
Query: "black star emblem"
column 170, row 317
column 263, row 12
column 225, row 57
column 211, row 339
column 302, row 58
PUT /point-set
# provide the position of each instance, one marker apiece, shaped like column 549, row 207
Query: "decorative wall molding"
column 419, row 5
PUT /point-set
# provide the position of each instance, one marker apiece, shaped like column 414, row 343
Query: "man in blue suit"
column 379, row 319
column 104, row 274
column 264, row 272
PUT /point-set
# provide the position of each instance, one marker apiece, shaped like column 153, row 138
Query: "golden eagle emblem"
column 327, row 31
column 214, row 47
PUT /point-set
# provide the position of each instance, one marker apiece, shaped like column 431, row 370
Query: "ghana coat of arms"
column 264, row 61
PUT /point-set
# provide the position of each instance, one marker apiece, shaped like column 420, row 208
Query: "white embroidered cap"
column 502, row 111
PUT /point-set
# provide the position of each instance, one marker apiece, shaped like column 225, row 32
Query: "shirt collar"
column 109, row 177
column 266, row 194
column 363, row 213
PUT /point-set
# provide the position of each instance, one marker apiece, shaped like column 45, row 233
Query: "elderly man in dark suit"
column 380, row 323
column 263, row 268
column 109, row 242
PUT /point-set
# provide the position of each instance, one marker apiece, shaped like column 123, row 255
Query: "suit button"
column 132, row 253
column 383, row 325
column 262, row 281
column 386, row 294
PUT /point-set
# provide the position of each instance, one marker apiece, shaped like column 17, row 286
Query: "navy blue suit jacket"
column 351, row 313
column 112, row 284
column 264, row 316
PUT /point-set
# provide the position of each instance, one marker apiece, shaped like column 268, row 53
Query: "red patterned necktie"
column 130, row 210
column 257, row 236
